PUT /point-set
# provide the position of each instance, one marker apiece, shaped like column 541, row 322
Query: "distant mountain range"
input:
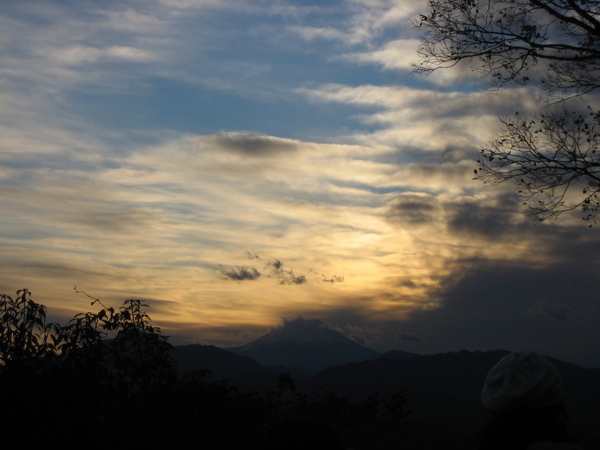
column 305, row 345
column 441, row 389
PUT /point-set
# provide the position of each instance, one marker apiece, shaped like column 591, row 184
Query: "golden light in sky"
column 288, row 164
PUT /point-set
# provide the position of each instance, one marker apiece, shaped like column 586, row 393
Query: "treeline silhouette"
column 107, row 379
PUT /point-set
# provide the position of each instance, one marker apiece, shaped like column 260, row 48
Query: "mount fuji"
column 306, row 344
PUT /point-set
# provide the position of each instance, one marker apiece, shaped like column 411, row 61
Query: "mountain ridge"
column 442, row 388
column 306, row 344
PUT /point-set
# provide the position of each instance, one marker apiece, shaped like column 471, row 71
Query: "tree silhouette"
column 107, row 379
column 554, row 45
column 72, row 374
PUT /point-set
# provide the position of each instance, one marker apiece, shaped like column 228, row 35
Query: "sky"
column 235, row 163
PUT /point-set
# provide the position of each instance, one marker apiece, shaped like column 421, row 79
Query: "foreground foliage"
column 107, row 379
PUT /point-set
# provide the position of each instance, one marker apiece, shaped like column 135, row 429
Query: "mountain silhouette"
column 442, row 390
column 304, row 344
column 398, row 354
column 445, row 388
column 222, row 364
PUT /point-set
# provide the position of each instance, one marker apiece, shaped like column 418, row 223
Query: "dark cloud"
column 483, row 304
column 412, row 209
column 284, row 276
column 572, row 245
column 408, row 283
column 277, row 271
column 557, row 311
column 254, row 145
column 494, row 218
column 491, row 305
column 407, row 154
column 369, row 337
column 458, row 154
column 240, row 273
column 272, row 268
column 331, row 278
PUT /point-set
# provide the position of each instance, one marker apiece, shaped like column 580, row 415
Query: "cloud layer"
column 235, row 162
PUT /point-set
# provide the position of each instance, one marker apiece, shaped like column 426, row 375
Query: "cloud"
column 369, row 337
column 277, row 271
column 331, row 278
column 413, row 209
column 400, row 117
column 396, row 55
column 64, row 49
column 274, row 269
column 254, row 145
column 360, row 23
column 378, row 338
column 497, row 216
column 498, row 305
column 145, row 141
column 79, row 55
column 142, row 21
column 424, row 103
column 557, row 311
column 312, row 33
column 240, row 273
column 486, row 303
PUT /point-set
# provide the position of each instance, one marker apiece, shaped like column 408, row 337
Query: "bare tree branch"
column 552, row 157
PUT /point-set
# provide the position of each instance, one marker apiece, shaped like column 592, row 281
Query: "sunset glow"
column 235, row 162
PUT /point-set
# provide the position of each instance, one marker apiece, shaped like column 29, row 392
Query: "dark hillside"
column 445, row 388
column 244, row 372
column 398, row 354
